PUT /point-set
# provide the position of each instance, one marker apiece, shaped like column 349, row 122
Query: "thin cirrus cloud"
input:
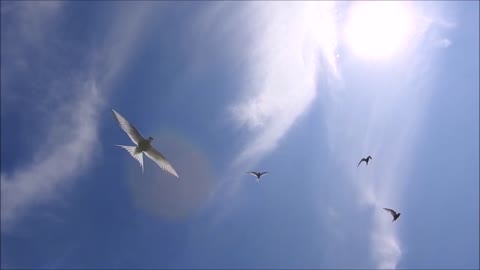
column 283, row 47
column 383, row 119
column 39, row 180
column 57, row 162
column 288, row 41
column 23, row 25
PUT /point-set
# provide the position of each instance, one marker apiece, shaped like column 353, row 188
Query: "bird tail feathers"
column 133, row 153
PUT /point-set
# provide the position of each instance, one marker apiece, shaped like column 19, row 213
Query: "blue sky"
column 303, row 90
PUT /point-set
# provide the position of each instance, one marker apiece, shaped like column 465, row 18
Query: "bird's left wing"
column 262, row 173
column 392, row 212
column 360, row 162
column 161, row 161
column 131, row 131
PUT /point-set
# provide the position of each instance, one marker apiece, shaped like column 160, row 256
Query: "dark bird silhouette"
column 394, row 214
column 257, row 174
column 365, row 159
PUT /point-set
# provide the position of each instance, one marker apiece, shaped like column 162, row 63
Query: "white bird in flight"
column 143, row 146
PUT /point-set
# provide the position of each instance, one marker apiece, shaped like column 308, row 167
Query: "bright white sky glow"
column 378, row 30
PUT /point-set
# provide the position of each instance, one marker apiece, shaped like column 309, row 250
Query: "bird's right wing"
column 252, row 173
column 131, row 131
column 262, row 173
column 392, row 212
column 161, row 161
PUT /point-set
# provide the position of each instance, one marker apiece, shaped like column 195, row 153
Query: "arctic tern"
column 143, row 146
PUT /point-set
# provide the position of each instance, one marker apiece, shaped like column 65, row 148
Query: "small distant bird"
column 394, row 214
column 364, row 159
column 257, row 174
column 143, row 146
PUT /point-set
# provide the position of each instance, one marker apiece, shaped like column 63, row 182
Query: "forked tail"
column 131, row 150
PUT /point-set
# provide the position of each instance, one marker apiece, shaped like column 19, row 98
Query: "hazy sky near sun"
column 302, row 90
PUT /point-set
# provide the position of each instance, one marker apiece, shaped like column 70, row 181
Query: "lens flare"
column 165, row 196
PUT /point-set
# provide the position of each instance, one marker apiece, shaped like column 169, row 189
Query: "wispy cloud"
column 24, row 25
column 383, row 119
column 286, row 42
column 56, row 162
column 386, row 245
column 282, row 71
column 71, row 127
column 279, row 49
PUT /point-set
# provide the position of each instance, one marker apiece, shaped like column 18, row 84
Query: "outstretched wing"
column 392, row 212
column 131, row 131
column 360, row 161
column 262, row 173
column 253, row 173
column 160, row 160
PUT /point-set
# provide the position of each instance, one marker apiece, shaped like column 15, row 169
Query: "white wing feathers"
column 137, row 156
column 131, row 131
column 160, row 160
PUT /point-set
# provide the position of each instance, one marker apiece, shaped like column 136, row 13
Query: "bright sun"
column 378, row 30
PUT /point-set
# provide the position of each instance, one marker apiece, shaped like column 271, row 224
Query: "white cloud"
column 283, row 58
column 386, row 246
column 71, row 140
column 381, row 117
column 57, row 162
column 278, row 49
column 25, row 24
column 283, row 65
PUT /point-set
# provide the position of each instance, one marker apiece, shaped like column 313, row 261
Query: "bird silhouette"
column 257, row 174
column 394, row 214
column 143, row 146
column 365, row 159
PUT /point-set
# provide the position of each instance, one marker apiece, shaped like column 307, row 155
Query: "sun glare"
column 378, row 30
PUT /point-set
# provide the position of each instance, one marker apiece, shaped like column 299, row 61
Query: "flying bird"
column 143, row 146
column 257, row 174
column 365, row 159
column 394, row 214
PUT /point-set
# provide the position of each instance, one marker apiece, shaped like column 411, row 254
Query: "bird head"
column 150, row 139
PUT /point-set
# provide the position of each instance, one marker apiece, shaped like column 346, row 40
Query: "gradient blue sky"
column 228, row 87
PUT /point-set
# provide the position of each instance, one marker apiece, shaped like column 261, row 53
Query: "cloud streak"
column 55, row 163
column 71, row 127
column 383, row 119
column 283, row 61
column 278, row 49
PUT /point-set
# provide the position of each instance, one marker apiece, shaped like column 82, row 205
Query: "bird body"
column 258, row 174
column 143, row 146
column 367, row 159
column 394, row 214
